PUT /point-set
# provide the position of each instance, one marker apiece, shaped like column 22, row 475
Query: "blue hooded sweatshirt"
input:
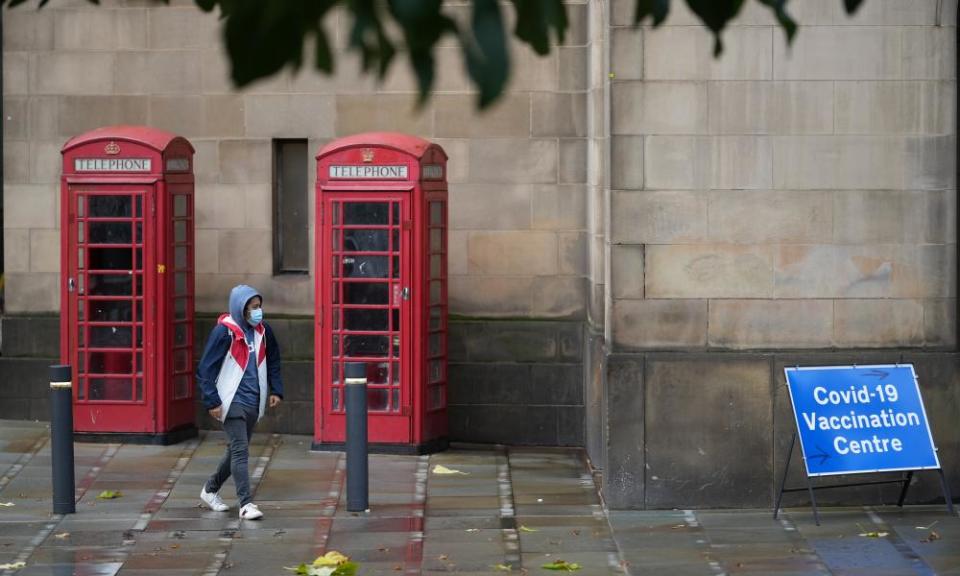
column 218, row 344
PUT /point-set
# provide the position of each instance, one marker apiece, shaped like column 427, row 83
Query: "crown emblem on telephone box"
column 367, row 154
column 112, row 148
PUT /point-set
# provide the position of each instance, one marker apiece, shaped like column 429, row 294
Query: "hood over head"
column 239, row 296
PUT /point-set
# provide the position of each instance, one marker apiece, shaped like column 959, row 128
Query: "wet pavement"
column 505, row 510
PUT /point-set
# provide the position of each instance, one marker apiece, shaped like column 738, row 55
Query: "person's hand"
column 275, row 400
column 215, row 412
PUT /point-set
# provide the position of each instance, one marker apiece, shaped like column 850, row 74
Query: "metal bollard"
column 355, row 396
column 61, row 439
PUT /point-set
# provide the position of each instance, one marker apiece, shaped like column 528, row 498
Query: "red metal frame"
column 396, row 248
column 127, row 280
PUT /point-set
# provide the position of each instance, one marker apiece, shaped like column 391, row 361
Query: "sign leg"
column 783, row 482
column 946, row 491
column 906, row 486
column 813, row 502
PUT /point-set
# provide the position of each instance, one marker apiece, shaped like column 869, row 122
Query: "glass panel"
column 377, row 399
column 179, row 334
column 435, row 344
column 365, row 320
column 360, row 240
column 394, row 400
column 363, row 266
column 366, row 293
column 111, row 337
column 139, row 227
column 335, row 396
column 336, row 345
column 436, row 213
column 435, row 292
column 109, row 206
column 139, row 285
column 139, row 309
column 81, row 388
column 436, row 318
column 81, row 363
column 335, row 266
column 335, row 240
column 335, row 216
column 179, row 205
column 395, row 373
column 180, row 231
column 180, row 309
column 365, row 212
column 378, row 373
column 111, row 389
column 139, row 258
column 138, row 369
column 335, row 293
column 111, row 363
column 355, row 345
column 139, row 336
column 435, row 267
column 110, row 258
column 180, row 360
column 336, row 373
column 181, row 386
column 81, row 283
column 396, row 267
column 335, row 314
column 139, row 209
column 80, row 205
column 436, row 397
column 80, row 253
column 395, row 239
column 80, row 309
column 436, row 240
column 180, row 257
column 139, row 389
column 396, row 319
column 110, row 233
column 80, row 232
column 180, row 283
column 81, row 336
column 111, row 310
column 396, row 346
column 395, row 219
column 435, row 371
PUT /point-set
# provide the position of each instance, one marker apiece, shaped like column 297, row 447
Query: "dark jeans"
column 239, row 428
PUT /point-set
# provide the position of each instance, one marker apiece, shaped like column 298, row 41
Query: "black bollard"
column 61, row 439
column 355, row 395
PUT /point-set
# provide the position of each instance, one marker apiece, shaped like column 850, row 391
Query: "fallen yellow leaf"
column 525, row 529
column 441, row 469
column 503, row 567
column 331, row 558
column 109, row 494
column 13, row 566
column 7, row 504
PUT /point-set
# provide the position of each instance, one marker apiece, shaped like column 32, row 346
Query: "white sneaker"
column 250, row 512
column 212, row 500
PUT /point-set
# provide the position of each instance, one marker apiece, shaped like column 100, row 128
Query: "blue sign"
column 860, row 419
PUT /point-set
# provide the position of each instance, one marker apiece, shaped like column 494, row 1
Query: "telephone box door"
column 368, row 316
column 107, row 316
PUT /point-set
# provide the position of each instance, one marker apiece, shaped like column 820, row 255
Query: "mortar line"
column 22, row 461
column 324, row 525
column 413, row 558
column 508, row 519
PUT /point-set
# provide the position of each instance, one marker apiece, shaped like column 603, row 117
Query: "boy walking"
column 239, row 370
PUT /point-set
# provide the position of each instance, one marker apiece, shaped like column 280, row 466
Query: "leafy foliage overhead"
column 262, row 37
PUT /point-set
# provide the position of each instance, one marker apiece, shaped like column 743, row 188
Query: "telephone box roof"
column 154, row 138
column 412, row 145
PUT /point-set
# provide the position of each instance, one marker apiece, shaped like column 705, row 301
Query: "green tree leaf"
column 535, row 18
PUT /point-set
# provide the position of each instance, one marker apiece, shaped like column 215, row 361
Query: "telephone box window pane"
column 111, row 363
column 179, row 205
column 139, row 258
column 80, row 235
column 110, row 232
column 81, row 388
column 361, row 240
column 111, row 337
column 139, row 232
column 80, row 309
column 139, row 389
column 335, row 217
column 396, row 214
column 80, row 205
column 180, row 309
column 336, row 346
column 436, row 371
column 335, row 240
column 335, row 397
column 112, row 389
column 436, row 397
column 111, row 258
column 180, row 334
column 436, row 240
column 180, row 257
column 80, row 253
column 396, row 319
column 139, row 285
column 436, row 318
column 110, row 285
column 81, row 364
column 81, row 337
column 436, row 213
column 109, row 206
column 138, row 369
column 358, row 213
column 335, row 314
column 139, row 309
column 396, row 267
column 357, row 345
column 111, row 310
column 435, row 292
column 435, row 266
column 363, row 266
column 365, row 320
column 377, row 399
column 394, row 400
column 335, row 293
column 180, row 231
column 335, row 270
column 180, row 283
column 139, row 336
column 139, row 208
column 366, row 293
column 395, row 240
column 395, row 376
column 435, row 344
column 378, row 373
column 181, row 386
column 396, row 346
column 335, row 377
column 291, row 238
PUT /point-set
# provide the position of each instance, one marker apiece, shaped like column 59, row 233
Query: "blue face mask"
column 256, row 316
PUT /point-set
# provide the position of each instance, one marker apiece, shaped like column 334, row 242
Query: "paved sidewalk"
column 514, row 507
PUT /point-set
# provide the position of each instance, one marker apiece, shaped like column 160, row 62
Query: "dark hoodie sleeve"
column 274, row 380
column 210, row 363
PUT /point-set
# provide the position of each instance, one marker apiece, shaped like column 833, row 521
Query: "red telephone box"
column 126, row 321
column 381, row 294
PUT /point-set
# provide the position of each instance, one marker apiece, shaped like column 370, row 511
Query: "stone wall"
column 517, row 172
column 785, row 197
